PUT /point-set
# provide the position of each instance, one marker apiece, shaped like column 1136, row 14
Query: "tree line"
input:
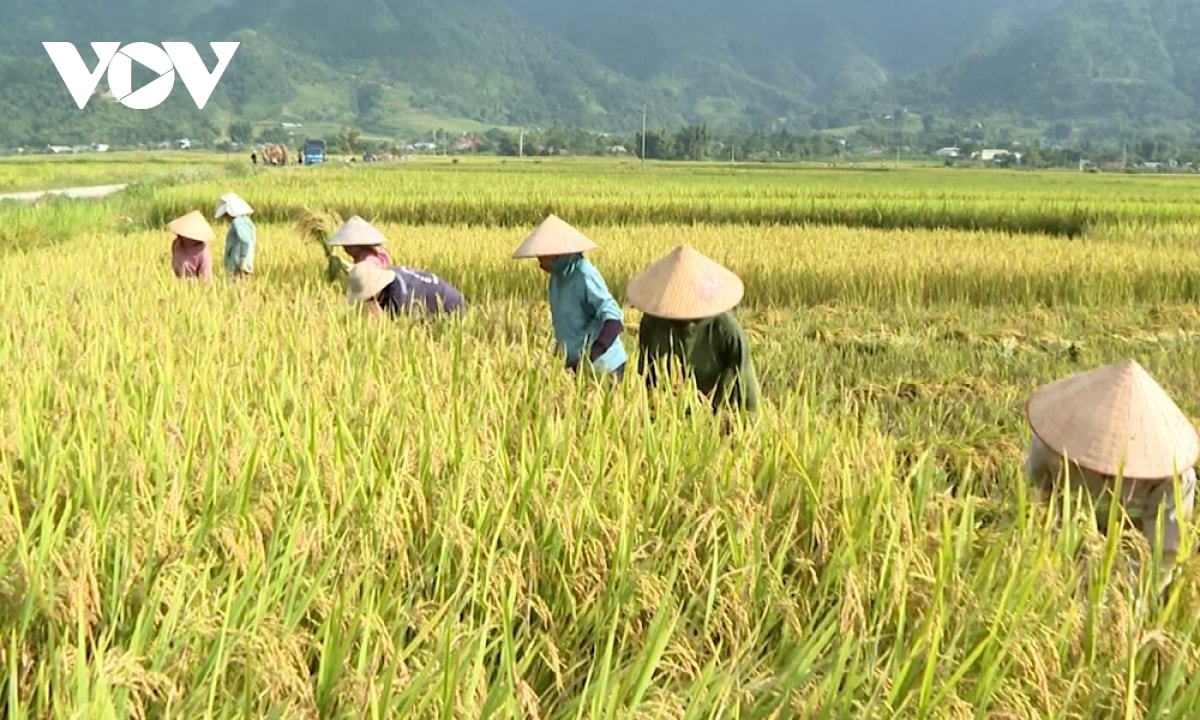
column 698, row 142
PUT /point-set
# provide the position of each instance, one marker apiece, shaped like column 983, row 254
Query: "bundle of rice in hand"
column 319, row 226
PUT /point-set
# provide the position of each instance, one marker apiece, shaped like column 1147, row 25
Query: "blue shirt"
column 580, row 303
column 239, row 245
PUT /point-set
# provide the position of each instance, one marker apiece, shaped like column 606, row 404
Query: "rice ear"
column 319, row 225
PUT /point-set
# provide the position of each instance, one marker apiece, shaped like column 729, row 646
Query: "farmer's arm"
column 1042, row 466
column 742, row 380
column 206, row 266
column 649, row 348
column 335, row 267
column 603, row 306
column 1164, row 497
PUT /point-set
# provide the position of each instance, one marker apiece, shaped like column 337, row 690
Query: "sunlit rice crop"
column 247, row 500
column 609, row 193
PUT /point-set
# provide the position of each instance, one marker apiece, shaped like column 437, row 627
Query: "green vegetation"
column 40, row 172
column 1107, row 69
column 235, row 500
column 1128, row 63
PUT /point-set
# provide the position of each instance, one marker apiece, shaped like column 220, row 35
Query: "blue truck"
column 314, row 152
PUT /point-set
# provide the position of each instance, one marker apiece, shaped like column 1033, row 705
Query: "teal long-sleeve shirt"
column 580, row 303
column 239, row 246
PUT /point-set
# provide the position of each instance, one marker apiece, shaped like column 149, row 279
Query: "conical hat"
column 553, row 237
column 366, row 280
column 356, row 231
column 685, row 285
column 1094, row 417
column 192, row 226
column 233, row 206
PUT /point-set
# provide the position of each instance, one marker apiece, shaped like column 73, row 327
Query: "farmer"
column 1117, row 419
column 361, row 241
column 189, row 250
column 239, row 239
column 687, row 298
column 400, row 289
column 585, row 317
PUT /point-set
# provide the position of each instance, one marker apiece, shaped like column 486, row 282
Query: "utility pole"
column 643, row 135
column 899, row 134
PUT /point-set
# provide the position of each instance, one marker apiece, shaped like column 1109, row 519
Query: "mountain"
column 814, row 48
column 467, row 58
column 393, row 66
column 1133, row 59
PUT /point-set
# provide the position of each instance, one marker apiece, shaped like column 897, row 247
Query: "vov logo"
column 118, row 60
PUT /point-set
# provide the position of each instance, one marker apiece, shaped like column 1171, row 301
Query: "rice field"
column 515, row 194
column 245, row 500
column 47, row 172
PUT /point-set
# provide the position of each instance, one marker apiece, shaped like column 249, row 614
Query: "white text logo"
column 118, row 61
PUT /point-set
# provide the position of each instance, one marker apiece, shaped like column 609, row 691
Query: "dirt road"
column 91, row 191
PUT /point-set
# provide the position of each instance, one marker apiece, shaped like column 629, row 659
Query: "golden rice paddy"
column 245, row 500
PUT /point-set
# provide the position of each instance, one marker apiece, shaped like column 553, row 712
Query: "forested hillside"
column 390, row 66
column 1135, row 62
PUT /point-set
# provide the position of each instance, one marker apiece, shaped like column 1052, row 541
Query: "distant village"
column 1009, row 157
column 463, row 144
column 471, row 143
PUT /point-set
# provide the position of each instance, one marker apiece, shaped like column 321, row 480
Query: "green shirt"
column 714, row 351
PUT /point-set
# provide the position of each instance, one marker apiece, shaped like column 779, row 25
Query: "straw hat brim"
column 366, row 280
column 1114, row 419
column 354, row 232
column 192, row 226
column 233, row 206
column 685, row 285
column 553, row 236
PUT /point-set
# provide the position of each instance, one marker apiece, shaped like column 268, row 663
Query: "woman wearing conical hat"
column 189, row 250
column 686, row 299
column 1116, row 419
column 240, row 238
column 406, row 287
column 361, row 241
column 398, row 289
column 585, row 317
